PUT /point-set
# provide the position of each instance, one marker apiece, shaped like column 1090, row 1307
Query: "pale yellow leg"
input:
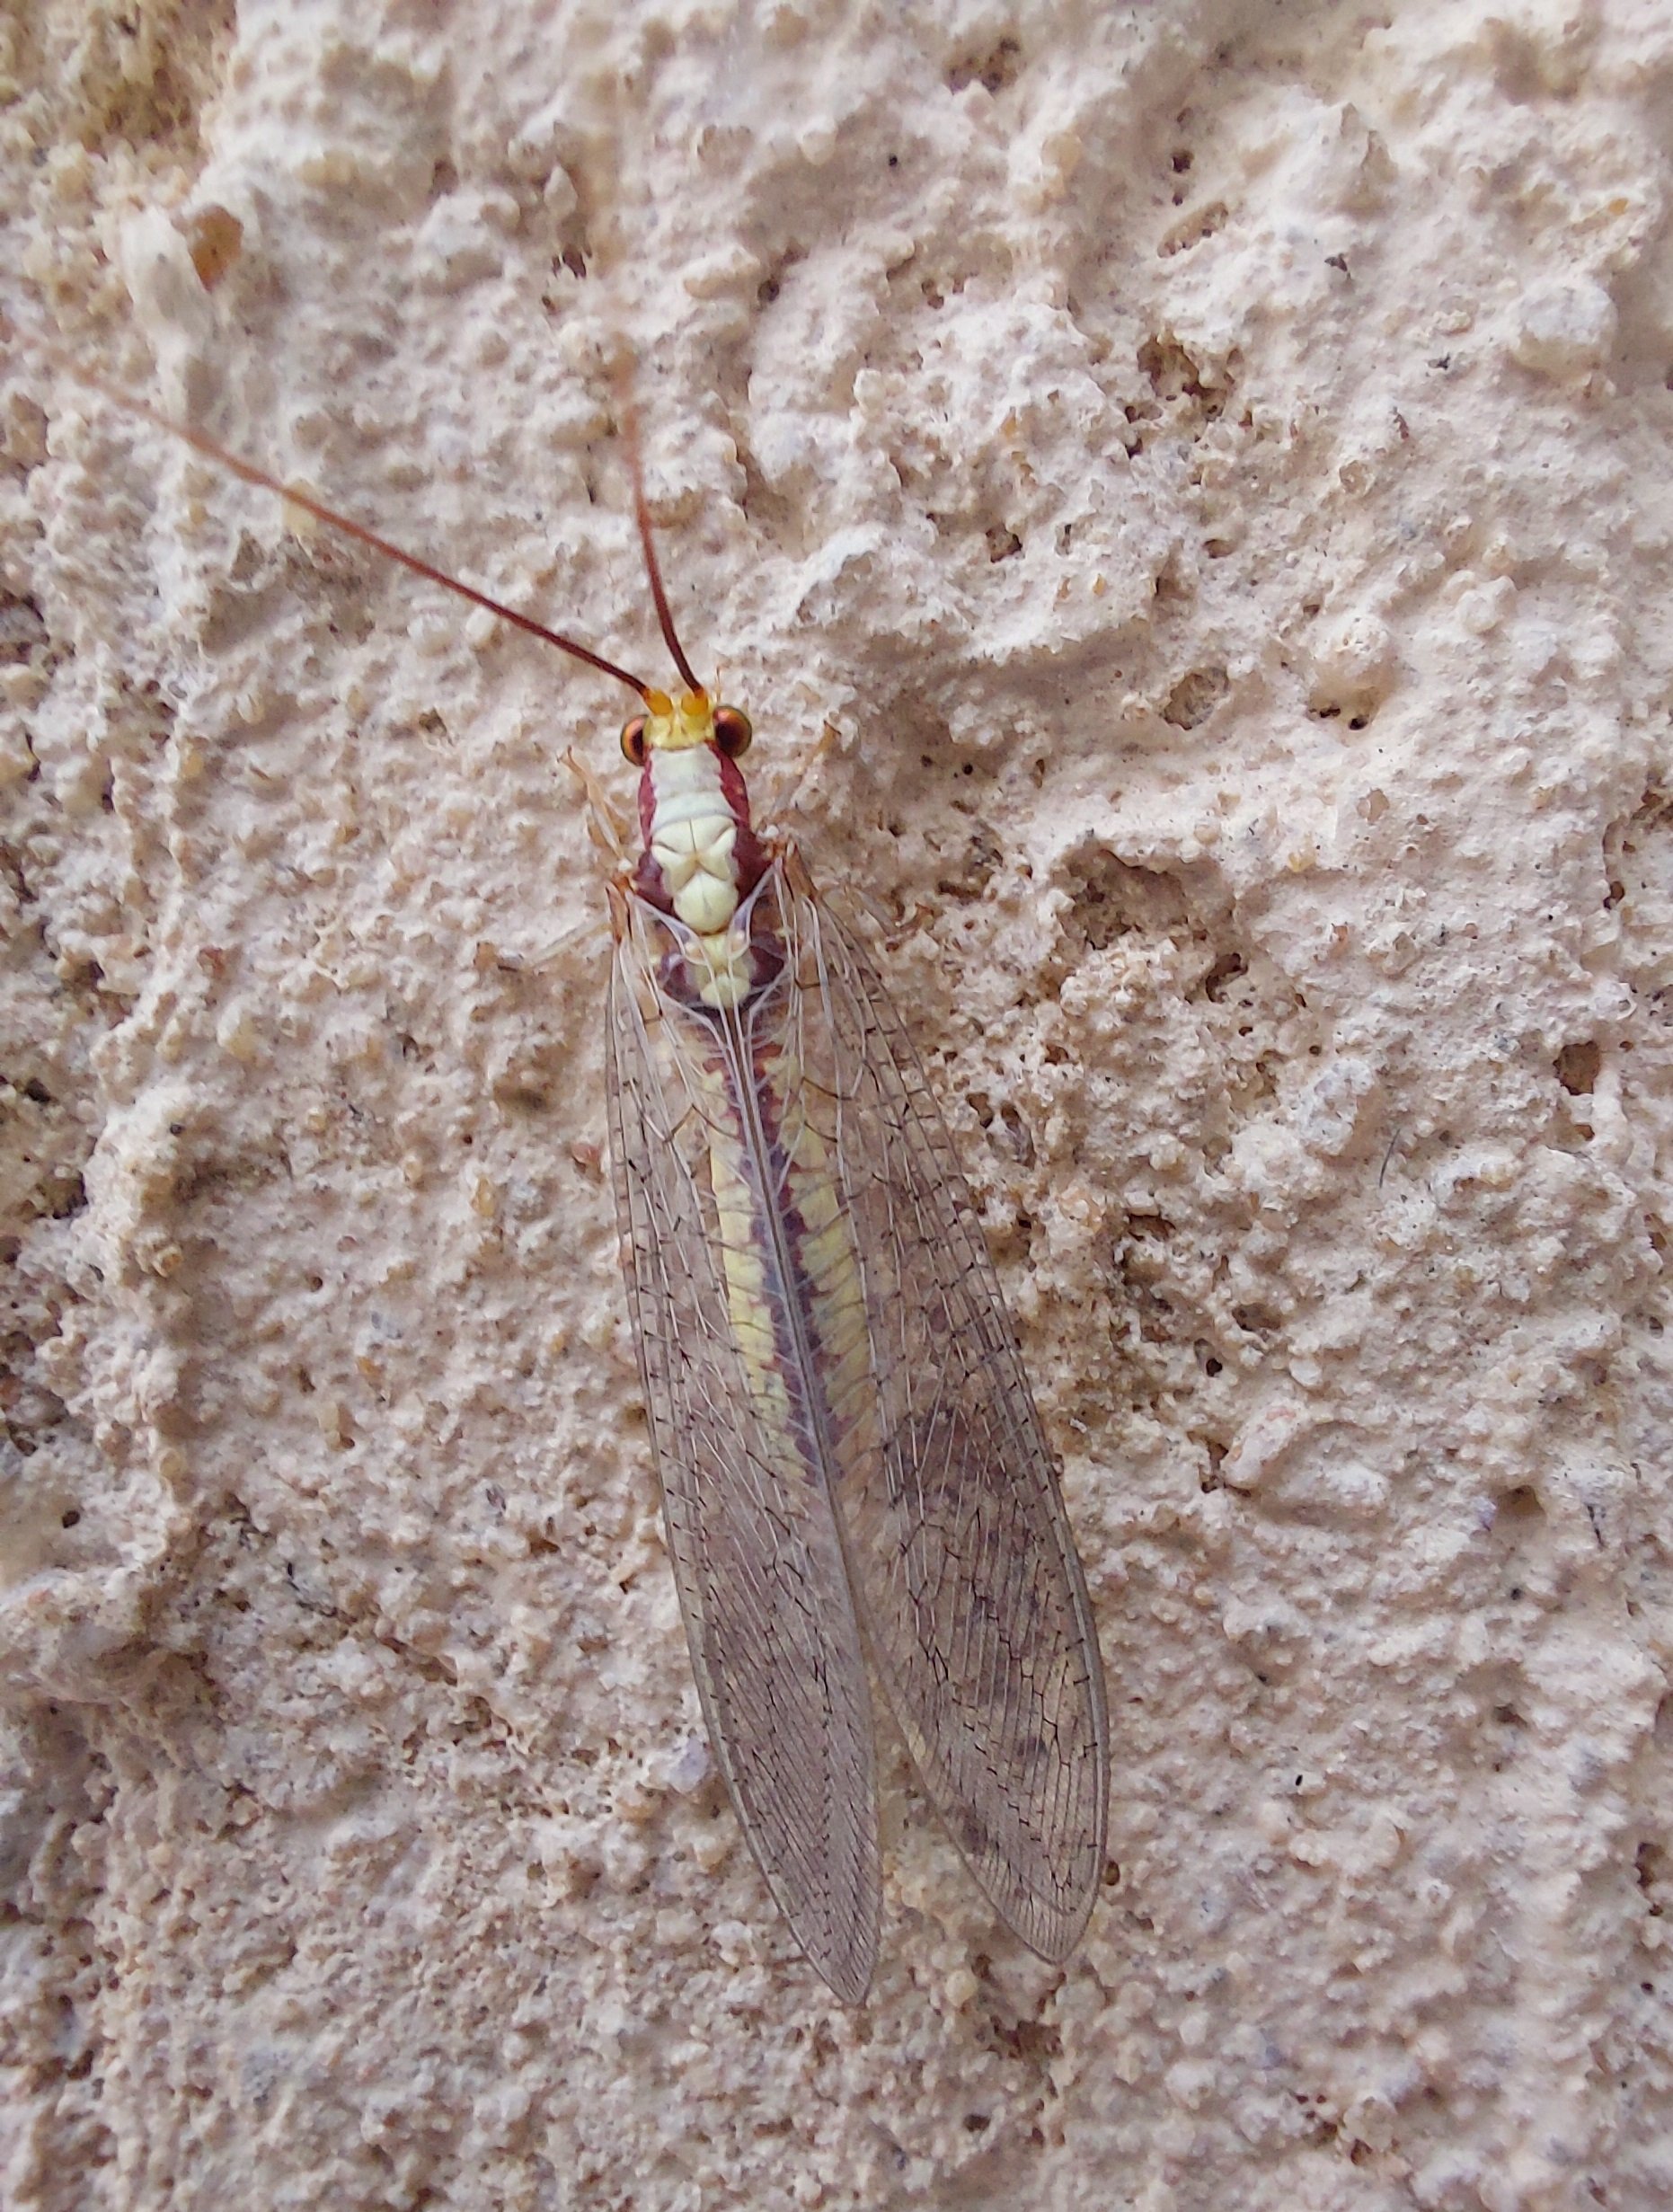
column 608, row 830
column 557, row 948
column 776, row 805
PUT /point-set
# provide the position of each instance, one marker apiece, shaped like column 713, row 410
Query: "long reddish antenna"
column 641, row 511
column 251, row 474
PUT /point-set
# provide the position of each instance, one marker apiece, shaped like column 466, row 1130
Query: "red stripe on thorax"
column 749, row 859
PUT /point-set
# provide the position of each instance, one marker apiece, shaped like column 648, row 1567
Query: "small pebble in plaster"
column 729, row 268
column 332, row 1417
column 689, row 1767
column 712, row 1846
column 1263, row 1443
column 960, row 1988
column 236, row 1034
column 1564, row 330
column 1481, row 607
column 461, row 242
column 1353, row 668
column 533, row 154
column 215, row 238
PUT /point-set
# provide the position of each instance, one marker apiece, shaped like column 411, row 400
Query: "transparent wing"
column 971, row 1590
column 758, row 1558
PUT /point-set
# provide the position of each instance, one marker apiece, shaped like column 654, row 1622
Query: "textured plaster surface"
column 1206, row 467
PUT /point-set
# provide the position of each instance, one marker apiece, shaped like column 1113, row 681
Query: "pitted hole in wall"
column 1519, row 1518
column 1578, row 1066
column 1110, row 899
column 1172, row 585
column 1214, row 1449
column 1180, row 381
column 782, row 263
column 1654, row 1873
column 1004, row 1126
column 1258, row 1322
column 1220, row 984
column 1660, row 1239
column 1029, row 2042
column 1194, row 698
column 1359, row 717
column 945, row 266
column 1636, row 846
column 996, row 71
column 966, row 874
column 1193, row 228
column 1185, row 395
column 1140, row 1273
column 1019, row 1138
column 1320, row 2116
column 1503, row 1725
column 569, row 266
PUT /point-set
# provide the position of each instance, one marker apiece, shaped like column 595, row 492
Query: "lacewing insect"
column 854, row 1476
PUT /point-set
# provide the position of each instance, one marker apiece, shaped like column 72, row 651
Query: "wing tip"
column 1055, row 1935
column 844, row 1959
column 849, row 1985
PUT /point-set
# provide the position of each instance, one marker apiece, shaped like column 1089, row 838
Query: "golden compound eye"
column 732, row 731
column 633, row 741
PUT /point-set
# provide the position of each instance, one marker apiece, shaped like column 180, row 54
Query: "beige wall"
column 1209, row 466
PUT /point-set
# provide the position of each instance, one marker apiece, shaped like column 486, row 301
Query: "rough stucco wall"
column 1208, row 462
